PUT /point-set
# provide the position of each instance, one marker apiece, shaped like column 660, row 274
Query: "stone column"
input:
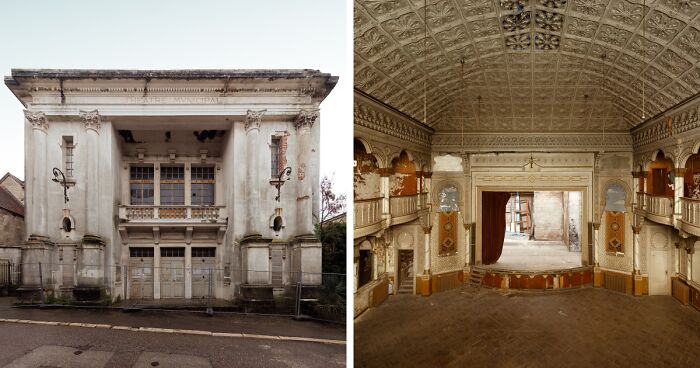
column 92, row 122
column 467, row 238
column 384, row 191
column 637, row 274
column 426, row 265
column 39, row 210
column 252, row 129
column 597, row 272
column 677, row 194
column 304, row 122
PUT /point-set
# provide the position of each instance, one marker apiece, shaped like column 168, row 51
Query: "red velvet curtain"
column 493, row 224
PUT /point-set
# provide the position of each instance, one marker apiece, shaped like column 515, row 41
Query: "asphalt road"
column 27, row 345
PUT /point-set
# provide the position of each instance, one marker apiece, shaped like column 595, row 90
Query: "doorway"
column 406, row 275
column 172, row 272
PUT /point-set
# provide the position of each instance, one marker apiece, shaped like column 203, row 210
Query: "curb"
column 176, row 331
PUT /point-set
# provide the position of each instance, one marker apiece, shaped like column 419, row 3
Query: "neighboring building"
column 13, row 185
column 11, row 228
column 339, row 218
column 169, row 174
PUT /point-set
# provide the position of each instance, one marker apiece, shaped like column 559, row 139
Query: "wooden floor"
column 577, row 328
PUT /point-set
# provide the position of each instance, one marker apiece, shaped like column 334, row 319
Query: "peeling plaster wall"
column 548, row 215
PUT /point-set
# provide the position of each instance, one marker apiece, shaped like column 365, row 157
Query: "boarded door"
column 172, row 272
column 203, row 260
column 141, row 273
column 277, row 265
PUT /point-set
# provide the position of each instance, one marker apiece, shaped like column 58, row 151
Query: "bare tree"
column 331, row 204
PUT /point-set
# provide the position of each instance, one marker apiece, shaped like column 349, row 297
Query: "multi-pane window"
column 172, row 252
column 68, row 156
column 203, row 183
column 140, row 252
column 275, row 162
column 172, row 185
column 141, row 185
column 203, row 252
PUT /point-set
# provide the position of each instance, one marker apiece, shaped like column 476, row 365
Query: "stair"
column 476, row 277
column 407, row 284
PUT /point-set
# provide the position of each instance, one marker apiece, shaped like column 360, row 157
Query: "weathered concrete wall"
column 11, row 228
column 548, row 215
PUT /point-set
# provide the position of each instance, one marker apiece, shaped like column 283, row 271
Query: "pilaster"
column 252, row 129
column 39, row 200
column 305, row 171
column 92, row 122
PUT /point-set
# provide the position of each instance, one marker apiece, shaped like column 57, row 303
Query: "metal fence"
column 9, row 277
column 175, row 286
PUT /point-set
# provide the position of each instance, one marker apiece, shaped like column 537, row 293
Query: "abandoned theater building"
column 150, row 183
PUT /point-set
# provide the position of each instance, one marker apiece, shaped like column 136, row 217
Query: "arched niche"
column 403, row 179
column 448, row 197
column 660, row 175
column 366, row 178
column 616, row 196
column 691, row 177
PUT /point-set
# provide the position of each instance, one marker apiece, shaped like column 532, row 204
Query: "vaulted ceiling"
column 529, row 65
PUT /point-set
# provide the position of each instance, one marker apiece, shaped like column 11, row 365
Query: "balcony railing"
column 690, row 211
column 171, row 213
column 658, row 205
column 424, row 200
column 403, row 205
column 368, row 212
column 640, row 200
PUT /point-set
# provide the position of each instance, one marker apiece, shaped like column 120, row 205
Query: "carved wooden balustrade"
column 660, row 206
column 690, row 211
column 403, row 205
column 368, row 212
column 640, row 200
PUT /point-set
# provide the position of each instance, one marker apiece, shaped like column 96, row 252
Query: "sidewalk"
column 224, row 322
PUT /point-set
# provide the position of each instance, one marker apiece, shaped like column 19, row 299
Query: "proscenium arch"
column 586, row 213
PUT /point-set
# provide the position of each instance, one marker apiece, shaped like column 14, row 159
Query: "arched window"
column 448, row 199
column 615, row 196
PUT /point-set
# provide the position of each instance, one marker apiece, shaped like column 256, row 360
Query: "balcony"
column 640, row 200
column 164, row 214
column 690, row 215
column 659, row 208
column 368, row 215
column 403, row 208
column 424, row 200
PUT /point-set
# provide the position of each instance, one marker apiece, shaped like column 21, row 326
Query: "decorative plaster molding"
column 253, row 119
column 370, row 115
column 91, row 119
column 306, row 118
column 532, row 142
column 37, row 119
column 668, row 126
column 543, row 160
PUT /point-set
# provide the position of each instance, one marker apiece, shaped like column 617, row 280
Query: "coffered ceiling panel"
column 532, row 65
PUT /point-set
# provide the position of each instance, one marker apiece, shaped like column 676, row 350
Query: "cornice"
column 374, row 116
column 514, row 142
column 675, row 122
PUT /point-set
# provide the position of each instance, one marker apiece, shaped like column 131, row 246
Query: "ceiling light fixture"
column 644, row 39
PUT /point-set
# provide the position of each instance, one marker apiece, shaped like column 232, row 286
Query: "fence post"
column 298, row 306
column 41, row 284
column 210, row 309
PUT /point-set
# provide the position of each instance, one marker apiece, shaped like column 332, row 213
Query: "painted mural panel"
column 615, row 232
column 448, row 233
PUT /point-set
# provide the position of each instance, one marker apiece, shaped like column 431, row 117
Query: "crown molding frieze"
column 680, row 122
column 380, row 118
column 523, row 142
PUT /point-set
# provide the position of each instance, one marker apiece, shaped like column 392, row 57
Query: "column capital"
column 253, row 119
column 596, row 225
column 680, row 171
column 306, row 118
column 385, row 171
column 427, row 229
column 91, row 119
column 636, row 229
column 37, row 119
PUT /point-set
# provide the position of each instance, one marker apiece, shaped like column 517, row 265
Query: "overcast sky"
column 177, row 34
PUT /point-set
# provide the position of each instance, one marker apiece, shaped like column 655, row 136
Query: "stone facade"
column 169, row 169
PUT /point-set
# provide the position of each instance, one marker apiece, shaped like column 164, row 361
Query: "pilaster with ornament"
column 253, row 120
column 92, row 122
column 37, row 223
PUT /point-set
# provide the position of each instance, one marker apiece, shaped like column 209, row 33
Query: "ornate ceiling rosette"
column 529, row 65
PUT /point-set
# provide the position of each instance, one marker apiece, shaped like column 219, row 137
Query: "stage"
column 535, row 255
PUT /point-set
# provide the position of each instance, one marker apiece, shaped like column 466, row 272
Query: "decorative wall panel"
column 448, row 233
column 614, row 232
